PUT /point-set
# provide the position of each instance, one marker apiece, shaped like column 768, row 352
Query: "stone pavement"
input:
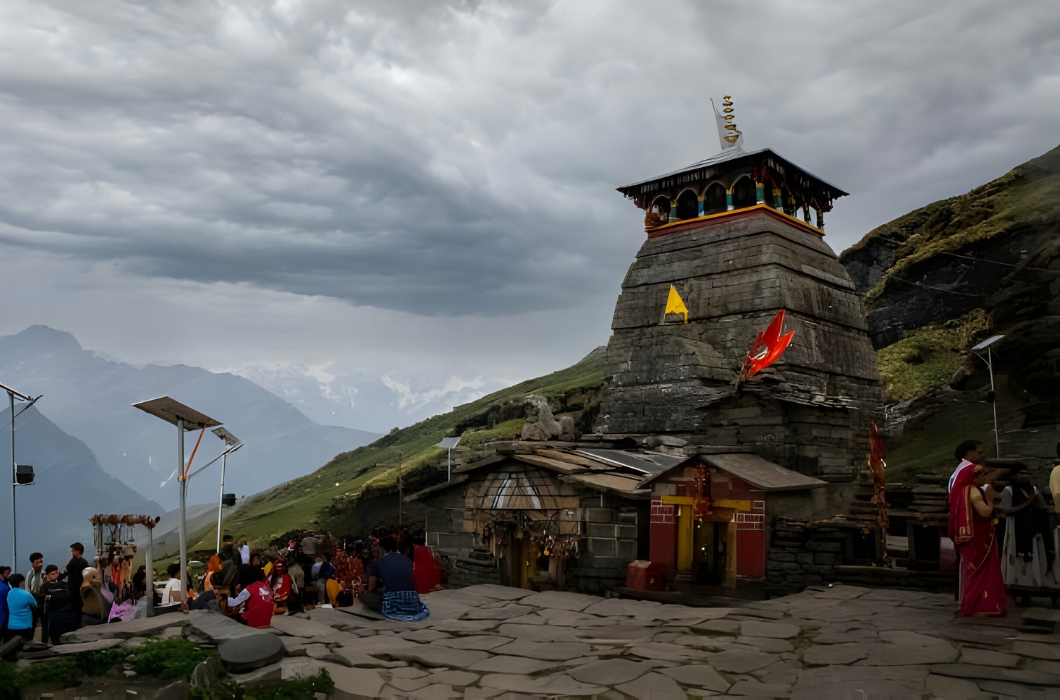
column 833, row 643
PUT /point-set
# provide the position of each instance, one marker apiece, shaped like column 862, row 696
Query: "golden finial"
column 727, row 131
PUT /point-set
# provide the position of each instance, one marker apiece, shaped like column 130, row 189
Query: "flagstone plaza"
column 491, row 641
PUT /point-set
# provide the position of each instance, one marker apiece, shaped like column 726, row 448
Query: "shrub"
column 60, row 671
column 300, row 689
column 167, row 658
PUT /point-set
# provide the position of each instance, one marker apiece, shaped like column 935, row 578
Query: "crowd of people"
column 57, row 600
column 253, row 586
column 248, row 586
column 1001, row 535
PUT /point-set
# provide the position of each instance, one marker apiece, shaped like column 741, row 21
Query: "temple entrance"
column 712, row 550
column 519, row 560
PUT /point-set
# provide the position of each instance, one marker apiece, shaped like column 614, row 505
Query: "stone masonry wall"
column 802, row 554
column 809, row 413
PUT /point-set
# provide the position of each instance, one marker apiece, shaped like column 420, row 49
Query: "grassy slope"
column 298, row 502
column 1028, row 195
column 928, row 357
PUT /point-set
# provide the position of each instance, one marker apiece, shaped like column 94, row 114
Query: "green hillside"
column 940, row 279
column 573, row 391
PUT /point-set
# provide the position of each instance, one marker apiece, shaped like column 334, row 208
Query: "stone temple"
column 726, row 232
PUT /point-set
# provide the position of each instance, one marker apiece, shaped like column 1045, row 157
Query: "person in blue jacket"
column 21, row 605
column 5, row 588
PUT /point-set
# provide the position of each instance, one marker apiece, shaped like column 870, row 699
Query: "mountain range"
column 90, row 397
column 70, row 487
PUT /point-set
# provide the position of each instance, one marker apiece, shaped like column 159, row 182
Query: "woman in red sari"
column 280, row 583
column 971, row 528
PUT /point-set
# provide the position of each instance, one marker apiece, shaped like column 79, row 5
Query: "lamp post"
column 185, row 418
column 985, row 345
column 448, row 444
column 234, row 444
column 11, row 394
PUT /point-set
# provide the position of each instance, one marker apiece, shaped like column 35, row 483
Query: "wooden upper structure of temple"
column 731, row 183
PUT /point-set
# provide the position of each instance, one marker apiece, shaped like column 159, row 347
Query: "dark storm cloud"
column 461, row 158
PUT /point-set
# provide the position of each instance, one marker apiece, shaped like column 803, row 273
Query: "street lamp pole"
column 986, row 345
column 183, row 484
column 220, row 500
column 11, row 394
column 232, row 443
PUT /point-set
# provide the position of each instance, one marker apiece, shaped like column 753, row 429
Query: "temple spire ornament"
column 728, row 134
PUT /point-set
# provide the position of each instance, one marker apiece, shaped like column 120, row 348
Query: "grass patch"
column 63, row 672
column 1026, row 196
column 928, row 356
column 299, row 689
column 508, row 430
column 928, row 447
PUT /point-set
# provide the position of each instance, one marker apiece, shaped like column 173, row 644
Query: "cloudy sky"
column 419, row 196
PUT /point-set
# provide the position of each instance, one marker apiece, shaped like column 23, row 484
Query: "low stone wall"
column 802, row 554
column 477, row 568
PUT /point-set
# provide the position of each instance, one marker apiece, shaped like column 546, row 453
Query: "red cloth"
column 982, row 586
column 425, row 573
column 281, row 586
column 260, row 606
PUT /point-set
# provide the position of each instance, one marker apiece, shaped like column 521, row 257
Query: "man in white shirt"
column 969, row 455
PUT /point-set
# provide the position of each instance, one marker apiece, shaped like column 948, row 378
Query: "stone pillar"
column 673, row 211
column 760, row 193
column 820, row 219
column 778, row 202
column 728, row 200
column 805, row 213
column 702, row 197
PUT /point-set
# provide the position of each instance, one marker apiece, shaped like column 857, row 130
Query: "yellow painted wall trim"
column 706, row 217
column 679, row 500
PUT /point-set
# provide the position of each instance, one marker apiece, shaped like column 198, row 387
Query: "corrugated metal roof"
column 755, row 470
column 726, row 156
column 643, row 462
column 623, row 484
column 762, row 473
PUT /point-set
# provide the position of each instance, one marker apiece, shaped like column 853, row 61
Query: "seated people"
column 1023, row 558
column 94, row 607
column 255, row 596
column 171, row 594
column 391, row 589
column 281, row 584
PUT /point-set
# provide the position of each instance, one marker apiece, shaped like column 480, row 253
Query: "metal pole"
column 224, row 464
column 149, row 560
column 399, row 490
column 450, row 465
column 14, row 483
column 183, row 524
column 990, row 365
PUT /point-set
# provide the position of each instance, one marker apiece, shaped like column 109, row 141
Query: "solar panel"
column 449, row 443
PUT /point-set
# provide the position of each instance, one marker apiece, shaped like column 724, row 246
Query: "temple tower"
column 740, row 236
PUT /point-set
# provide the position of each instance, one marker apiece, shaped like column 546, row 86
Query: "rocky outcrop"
column 540, row 424
column 810, row 412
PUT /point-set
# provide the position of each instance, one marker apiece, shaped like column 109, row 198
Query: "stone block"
column 819, row 546
column 598, row 515
column 627, row 532
column 781, row 556
column 603, row 547
column 601, row 530
column 804, row 557
column 827, row 558
column 627, row 549
column 781, row 566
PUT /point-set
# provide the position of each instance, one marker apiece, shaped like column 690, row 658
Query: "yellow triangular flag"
column 675, row 304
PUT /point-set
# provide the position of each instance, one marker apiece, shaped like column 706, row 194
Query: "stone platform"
column 491, row 641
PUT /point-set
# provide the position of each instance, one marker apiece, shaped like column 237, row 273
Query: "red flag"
column 768, row 346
